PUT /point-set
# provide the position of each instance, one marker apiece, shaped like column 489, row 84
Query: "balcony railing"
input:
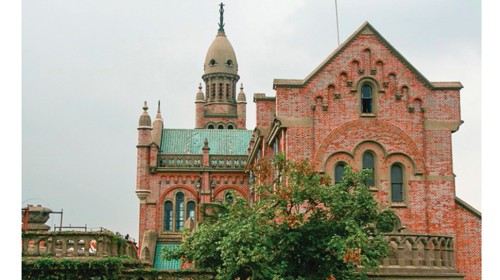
column 77, row 244
column 419, row 254
column 194, row 162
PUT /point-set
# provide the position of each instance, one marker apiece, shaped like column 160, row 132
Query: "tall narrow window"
column 167, row 216
column 366, row 99
column 229, row 197
column 191, row 210
column 179, row 211
column 396, row 183
column 369, row 163
column 339, row 172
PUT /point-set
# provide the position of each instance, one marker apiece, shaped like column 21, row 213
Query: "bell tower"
column 219, row 107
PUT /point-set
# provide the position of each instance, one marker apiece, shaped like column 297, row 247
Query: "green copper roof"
column 220, row 141
column 162, row 264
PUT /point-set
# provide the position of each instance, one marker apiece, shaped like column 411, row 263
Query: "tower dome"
column 220, row 56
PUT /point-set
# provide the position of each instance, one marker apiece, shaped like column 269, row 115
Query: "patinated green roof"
column 162, row 264
column 220, row 141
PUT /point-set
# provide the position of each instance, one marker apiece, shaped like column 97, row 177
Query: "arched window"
column 191, row 210
column 220, row 126
column 176, row 213
column 366, row 99
column 229, row 197
column 230, row 126
column 167, row 216
column 369, row 163
column 396, row 183
column 179, row 211
column 339, row 172
column 210, row 126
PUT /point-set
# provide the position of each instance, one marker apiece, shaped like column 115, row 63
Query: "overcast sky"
column 88, row 66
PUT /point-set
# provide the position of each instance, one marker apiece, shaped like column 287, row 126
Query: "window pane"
column 369, row 163
column 366, row 91
column 167, row 216
column 366, row 99
column 229, row 197
column 179, row 211
column 339, row 172
column 396, row 183
column 191, row 210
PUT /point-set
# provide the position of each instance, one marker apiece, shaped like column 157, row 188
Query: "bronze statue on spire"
column 221, row 23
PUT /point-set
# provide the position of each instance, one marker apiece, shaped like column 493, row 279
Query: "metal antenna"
column 337, row 18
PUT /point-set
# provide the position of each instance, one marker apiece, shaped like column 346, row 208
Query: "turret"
column 157, row 127
column 200, row 105
column 143, row 146
column 144, row 127
column 242, row 108
column 220, row 76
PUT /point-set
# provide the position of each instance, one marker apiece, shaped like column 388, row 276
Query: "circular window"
column 229, row 62
column 212, row 62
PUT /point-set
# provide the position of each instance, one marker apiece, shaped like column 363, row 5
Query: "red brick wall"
column 468, row 243
column 408, row 126
column 265, row 112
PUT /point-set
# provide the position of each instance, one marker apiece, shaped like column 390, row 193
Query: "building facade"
column 365, row 106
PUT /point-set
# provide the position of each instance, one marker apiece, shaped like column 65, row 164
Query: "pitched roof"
column 191, row 141
column 366, row 28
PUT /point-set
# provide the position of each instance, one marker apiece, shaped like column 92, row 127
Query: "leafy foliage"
column 302, row 227
column 76, row 268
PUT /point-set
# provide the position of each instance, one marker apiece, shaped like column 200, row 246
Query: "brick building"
column 365, row 106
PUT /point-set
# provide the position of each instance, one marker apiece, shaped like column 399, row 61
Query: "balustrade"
column 420, row 251
column 77, row 244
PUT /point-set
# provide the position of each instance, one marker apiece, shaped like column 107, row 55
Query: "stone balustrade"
column 195, row 162
column 77, row 244
column 420, row 250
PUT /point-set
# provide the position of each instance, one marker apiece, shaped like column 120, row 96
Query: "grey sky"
column 89, row 65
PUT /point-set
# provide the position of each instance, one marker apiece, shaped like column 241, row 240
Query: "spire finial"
column 241, row 87
column 199, row 86
column 221, row 23
column 158, row 106
column 145, row 107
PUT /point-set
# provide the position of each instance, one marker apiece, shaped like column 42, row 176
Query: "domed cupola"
column 221, row 68
column 221, row 57
column 220, row 104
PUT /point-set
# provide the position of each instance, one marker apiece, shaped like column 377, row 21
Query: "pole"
column 60, row 224
column 337, row 18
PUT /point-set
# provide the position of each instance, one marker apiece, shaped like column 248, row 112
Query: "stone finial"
column 200, row 97
column 145, row 119
column 241, row 96
column 205, row 145
column 158, row 113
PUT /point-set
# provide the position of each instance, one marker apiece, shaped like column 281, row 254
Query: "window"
column 212, row 62
column 366, row 99
column 210, row 126
column 276, row 146
column 191, row 210
column 396, row 183
column 229, row 197
column 230, row 126
column 369, row 163
column 339, row 172
column 179, row 211
column 220, row 126
column 167, row 216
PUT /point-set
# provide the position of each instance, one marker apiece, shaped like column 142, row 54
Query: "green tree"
column 302, row 227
